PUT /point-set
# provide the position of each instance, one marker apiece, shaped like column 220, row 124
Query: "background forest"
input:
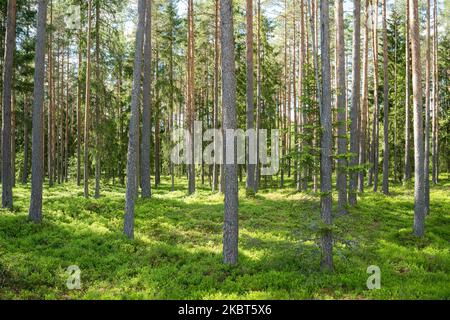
column 93, row 91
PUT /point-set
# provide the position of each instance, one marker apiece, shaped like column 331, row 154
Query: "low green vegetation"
column 177, row 250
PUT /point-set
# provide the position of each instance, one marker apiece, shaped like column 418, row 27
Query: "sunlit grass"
column 177, row 250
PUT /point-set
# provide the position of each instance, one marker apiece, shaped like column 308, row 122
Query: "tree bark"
column 376, row 125
column 191, row 94
column 13, row 138
column 250, row 97
column 87, row 102
column 35, row 212
column 327, row 139
column 215, row 183
column 407, row 175
column 419, row 183
column 146, row 107
column 8, row 71
column 356, row 98
column 386, row 104
column 79, row 133
column 231, row 229
column 26, row 140
column 133, row 144
column 364, row 101
column 427, row 111
column 435, row 128
column 341, row 182
column 97, row 100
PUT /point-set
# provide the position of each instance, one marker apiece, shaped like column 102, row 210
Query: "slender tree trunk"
column 427, row 111
column 13, row 138
column 97, row 100
column 231, row 229
column 51, row 107
column 35, row 212
column 133, row 144
column 79, row 133
column 419, row 183
column 191, row 94
column 341, row 182
column 435, row 127
column 216, row 165
column 356, row 99
column 303, row 112
column 87, row 102
column 364, row 101
column 67, row 124
column 297, row 116
column 172, row 101
column 8, row 71
column 386, row 153
column 285, row 96
column 258, row 97
column 26, row 140
column 119, row 103
column 157, row 129
column 376, row 125
column 327, row 139
column 314, row 35
column 250, row 101
column 396, row 169
column 146, row 106
column 407, row 176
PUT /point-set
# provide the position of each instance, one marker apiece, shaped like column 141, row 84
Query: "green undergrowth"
column 177, row 249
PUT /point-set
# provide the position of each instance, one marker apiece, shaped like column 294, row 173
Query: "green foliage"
column 177, row 250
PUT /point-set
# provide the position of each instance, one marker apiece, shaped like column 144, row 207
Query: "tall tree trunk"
column 419, row 183
column 356, row 99
column 8, row 71
column 216, row 165
column 97, row 100
column 13, row 138
column 146, row 106
column 396, row 169
column 285, row 97
column 157, row 128
column 407, row 176
column 51, row 104
column 376, row 125
column 258, row 96
column 327, row 138
column 435, row 128
column 79, row 133
column 303, row 112
column 364, row 101
column 26, row 140
column 427, row 111
column 67, row 124
column 250, row 102
column 386, row 104
column 341, row 182
column 87, row 102
column 191, row 95
column 133, row 144
column 35, row 212
column 231, row 229
column 312, row 9
column 172, row 100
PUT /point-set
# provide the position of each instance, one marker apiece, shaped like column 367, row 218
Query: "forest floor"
column 177, row 250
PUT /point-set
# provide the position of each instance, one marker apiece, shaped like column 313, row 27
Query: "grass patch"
column 177, row 250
